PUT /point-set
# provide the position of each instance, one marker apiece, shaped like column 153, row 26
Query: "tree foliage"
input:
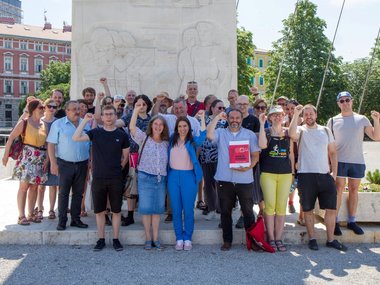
column 305, row 59
column 245, row 50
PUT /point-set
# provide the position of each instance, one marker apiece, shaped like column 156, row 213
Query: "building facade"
column 261, row 60
column 10, row 11
column 24, row 52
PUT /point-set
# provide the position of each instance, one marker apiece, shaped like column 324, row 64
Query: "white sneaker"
column 211, row 216
column 188, row 245
column 179, row 245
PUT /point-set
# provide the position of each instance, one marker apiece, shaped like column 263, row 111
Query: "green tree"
column 245, row 50
column 55, row 76
column 305, row 59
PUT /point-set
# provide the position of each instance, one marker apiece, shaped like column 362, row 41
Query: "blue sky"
column 356, row 35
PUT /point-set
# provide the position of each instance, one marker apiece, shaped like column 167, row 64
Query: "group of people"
column 183, row 149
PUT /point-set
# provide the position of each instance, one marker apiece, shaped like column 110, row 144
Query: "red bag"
column 255, row 236
column 18, row 144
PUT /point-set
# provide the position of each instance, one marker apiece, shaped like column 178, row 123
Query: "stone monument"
column 154, row 45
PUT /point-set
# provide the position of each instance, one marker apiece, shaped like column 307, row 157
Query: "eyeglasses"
column 109, row 114
column 341, row 101
column 261, row 108
column 51, row 107
column 243, row 104
column 221, row 108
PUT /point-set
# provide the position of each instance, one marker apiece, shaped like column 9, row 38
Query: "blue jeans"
column 183, row 190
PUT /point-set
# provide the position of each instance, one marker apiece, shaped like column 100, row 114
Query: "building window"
column 23, row 87
column 8, row 63
column 53, row 59
column 53, row 48
column 8, row 86
column 37, row 85
column 38, row 63
column 38, row 46
column 261, row 81
column 8, row 44
column 261, row 63
column 68, row 50
column 23, row 64
column 24, row 45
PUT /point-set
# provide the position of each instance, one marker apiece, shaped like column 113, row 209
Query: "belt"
column 233, row 183
column 37, row 147
column 71, row 162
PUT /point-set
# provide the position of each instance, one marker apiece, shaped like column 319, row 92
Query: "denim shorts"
column 151, row 193
column 351, row 170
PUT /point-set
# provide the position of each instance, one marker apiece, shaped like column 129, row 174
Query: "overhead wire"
column 329, row 58
column 368, row 72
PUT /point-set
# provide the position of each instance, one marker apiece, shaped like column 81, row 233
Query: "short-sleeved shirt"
column 222, row 138
column 251, row 123
column 349, row 133
column 142, row 124
column 172, row 119
column 60, row 134
column 107, row 148
column 209, row 150
column 154, row 156
column 313, row 149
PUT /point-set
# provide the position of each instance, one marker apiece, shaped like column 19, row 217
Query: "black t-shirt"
column 251, row 123
column 107, row 149
column 60, row 114
column 91, row 110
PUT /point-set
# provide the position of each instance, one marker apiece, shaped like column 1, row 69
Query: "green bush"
column 373, row 177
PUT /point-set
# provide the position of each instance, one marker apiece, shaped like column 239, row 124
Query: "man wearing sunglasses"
column 348, row 129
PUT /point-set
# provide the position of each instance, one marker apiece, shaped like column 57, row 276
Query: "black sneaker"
column 128, row 221
column 100, row 244
column 337, row 231
column 117, row 245
column 357, row 230
column 168, row 219
column 240, row 223
column 337, row 245
column 313, row 244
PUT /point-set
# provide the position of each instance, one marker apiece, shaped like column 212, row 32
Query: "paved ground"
column 203, row 265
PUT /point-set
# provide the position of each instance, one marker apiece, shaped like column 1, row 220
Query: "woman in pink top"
column 184, row 174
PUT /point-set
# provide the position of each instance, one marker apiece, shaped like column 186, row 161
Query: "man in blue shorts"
column 348, row 129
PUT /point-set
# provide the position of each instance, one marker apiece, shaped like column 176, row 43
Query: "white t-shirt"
column 313, row 149
column 349, row 134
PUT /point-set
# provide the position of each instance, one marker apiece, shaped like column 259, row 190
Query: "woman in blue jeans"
column 152, row 173
column 185, row 173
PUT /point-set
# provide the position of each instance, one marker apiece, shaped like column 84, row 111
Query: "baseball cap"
column 275, row 109
column 118, row 97
column 343, row 94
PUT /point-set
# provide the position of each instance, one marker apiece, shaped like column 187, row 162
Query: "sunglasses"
column 41, row 107
column 260, row 107
column 51, row 107
column 122, row 105
column 221, row 108
column 282, row 104
column 341, row 101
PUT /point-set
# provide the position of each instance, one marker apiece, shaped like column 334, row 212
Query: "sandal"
column 201, row 205
column 280, row 246
column 273, row 244
column 148, row 245
column 40, row 215
column 51, row 215
column 22, row 221
column 157, row 245
column 34, row 219
column 301, row 222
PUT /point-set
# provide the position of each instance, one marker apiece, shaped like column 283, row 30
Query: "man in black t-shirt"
column 57, row 96
column 250, row 122
column 110, row 150
column 89, row 96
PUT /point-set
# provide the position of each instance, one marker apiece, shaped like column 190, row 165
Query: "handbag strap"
column 24, row 129
column 141, row 151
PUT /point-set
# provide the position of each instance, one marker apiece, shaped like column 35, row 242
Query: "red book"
column 240, row 155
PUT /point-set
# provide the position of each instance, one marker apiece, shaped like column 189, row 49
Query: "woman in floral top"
column 152, row 173
column 31, row 165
